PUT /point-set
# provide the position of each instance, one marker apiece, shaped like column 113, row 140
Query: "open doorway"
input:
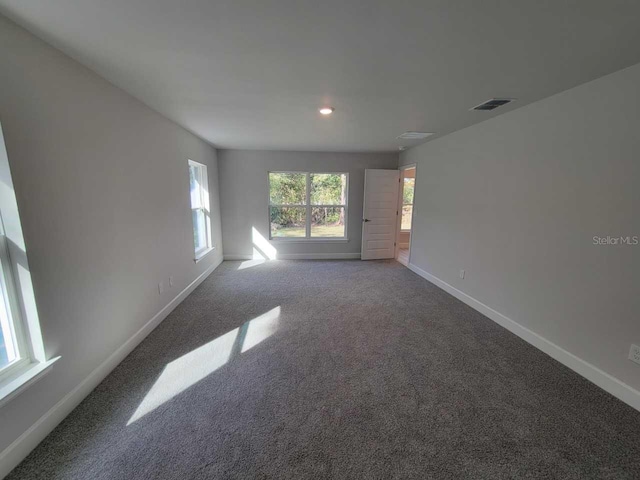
column 405, row 210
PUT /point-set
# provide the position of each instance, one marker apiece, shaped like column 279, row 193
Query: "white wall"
column 516, row 202
column 103, row 191
column 244, row 192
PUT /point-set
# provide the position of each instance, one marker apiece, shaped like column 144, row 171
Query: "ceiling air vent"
column 414, row 135
column 493, row 104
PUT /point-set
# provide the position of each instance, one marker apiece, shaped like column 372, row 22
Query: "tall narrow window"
column 22, row 354
column 13, row 345
column 199, row 188
column 308, row 205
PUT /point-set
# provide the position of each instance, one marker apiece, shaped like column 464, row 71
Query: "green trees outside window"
column 407, row 203
column 308, row 205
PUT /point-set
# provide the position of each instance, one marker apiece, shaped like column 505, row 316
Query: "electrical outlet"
column 171, row 280
column 634, row 353
column 462, row 273
column 160, row 288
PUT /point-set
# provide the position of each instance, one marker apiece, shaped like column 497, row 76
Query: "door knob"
column 366, row 220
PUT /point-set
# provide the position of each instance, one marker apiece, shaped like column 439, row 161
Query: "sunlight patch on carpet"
column 194, row 366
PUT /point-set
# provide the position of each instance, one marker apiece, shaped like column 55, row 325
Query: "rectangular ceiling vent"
column 493, row 104
column 414, row 135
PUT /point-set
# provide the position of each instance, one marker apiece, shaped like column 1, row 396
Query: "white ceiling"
column 252, row 73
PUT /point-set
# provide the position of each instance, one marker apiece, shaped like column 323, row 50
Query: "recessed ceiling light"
column 327, row 110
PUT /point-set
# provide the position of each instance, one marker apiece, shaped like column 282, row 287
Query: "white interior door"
column 380, row 212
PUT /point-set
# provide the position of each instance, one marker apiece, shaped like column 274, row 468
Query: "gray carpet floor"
column 352, row 370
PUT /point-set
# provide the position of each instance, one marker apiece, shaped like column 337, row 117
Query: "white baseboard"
column 302, row 256
column 318, row 256
column 602, row 379
column 26, row 442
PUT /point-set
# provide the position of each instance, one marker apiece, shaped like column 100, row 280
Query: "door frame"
column 399, row 215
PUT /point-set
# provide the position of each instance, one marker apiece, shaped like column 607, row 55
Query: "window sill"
column 200, row 255
column 309, row 240
column 23, row 379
